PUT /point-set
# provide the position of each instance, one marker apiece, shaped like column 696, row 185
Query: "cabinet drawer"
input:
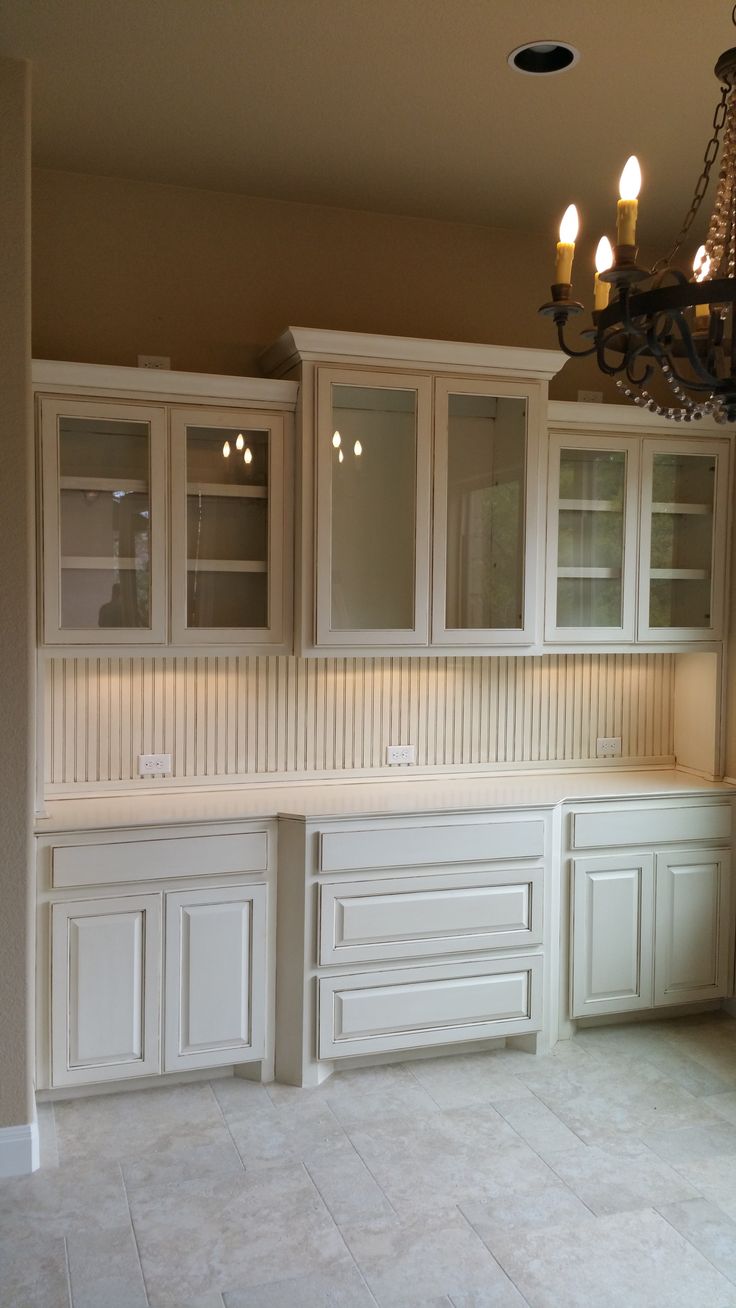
column 411, row 916
column 413, row 1008
column 650, row 825
column 152, row 860
column 409, row 846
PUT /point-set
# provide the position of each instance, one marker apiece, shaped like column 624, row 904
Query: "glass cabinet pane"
column 590, row 538
column 486, row 456
column 104, row 523
column 681, row 558
column 227, row 474
column 374, row 492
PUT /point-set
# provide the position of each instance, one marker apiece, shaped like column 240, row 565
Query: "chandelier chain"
column 701, row 186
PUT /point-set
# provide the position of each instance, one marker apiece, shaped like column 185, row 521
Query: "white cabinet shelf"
column 108, row 564
column 227, row 565
column 108, row 484
column 679, row 574
column 589, row 572
column 699, row 510
column 220, row 489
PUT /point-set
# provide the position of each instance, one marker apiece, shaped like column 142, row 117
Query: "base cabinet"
column 215, row 962
column 105, row 969
column 649, row 930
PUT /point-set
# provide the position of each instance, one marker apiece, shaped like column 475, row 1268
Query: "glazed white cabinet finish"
column 414, row 1008
column 106, row 958
column 215, row 976
column 692, row 922
column 612, row 934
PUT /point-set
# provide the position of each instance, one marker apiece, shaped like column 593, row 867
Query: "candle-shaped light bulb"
column 701, row 268
column 226, row 449
column 566, row 245
column 240, row 442
column 336, row 440
column 340, row 456
column 358, row 449
column 628, row 189
column 603, row 261
column 248, row 456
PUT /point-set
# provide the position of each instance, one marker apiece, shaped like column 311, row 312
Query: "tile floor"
column 600, row 1176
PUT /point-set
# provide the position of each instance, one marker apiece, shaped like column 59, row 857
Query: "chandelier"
column 658, row 319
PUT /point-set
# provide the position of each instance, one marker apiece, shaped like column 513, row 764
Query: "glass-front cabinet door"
column 372, row 508
column 228, row 523
column 486, row 455
column 104, row 560
column 591, row 538
column 683, row 540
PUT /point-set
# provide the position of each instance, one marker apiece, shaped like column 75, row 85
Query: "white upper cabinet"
column 683, row 539
column 418, row 492
column 227, row 527
column 591, row 538
column 104, row 516
column 151, row 533
column 373, row 494
column 485, row 509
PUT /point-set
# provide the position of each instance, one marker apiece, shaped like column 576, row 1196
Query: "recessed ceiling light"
column 540, row 58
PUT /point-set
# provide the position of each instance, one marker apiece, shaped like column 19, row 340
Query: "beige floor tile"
column 33, row 1274
column 468, row 1079
column 349, row 1190
column 685, row 1144
column 609, row 1183
column 228, row 1233
column 724, row 1104
column 709, row 1229
column 415, row 1261
column 347, row 1289
column 135, row 1123
column 628, row 1260
column 538, row 1126
column 284, row 1134
column 392, row 1091
column 63, row 1200
column 553, row 1206
column 715, row 1179
column 104, row 1269
column 190, row 1161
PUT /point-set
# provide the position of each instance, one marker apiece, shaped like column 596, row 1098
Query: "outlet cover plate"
column 397, row 755
column 608, row 747
column 161, row 361
column 154, row 765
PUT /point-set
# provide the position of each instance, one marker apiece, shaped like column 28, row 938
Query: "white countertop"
column 346, row 797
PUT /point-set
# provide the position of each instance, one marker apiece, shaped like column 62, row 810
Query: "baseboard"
column 19, row 1154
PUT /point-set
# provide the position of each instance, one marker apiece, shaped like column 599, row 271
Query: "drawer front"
column 409, row 846
column 650, row 825
column 152, row 860
column 415, row 916
column 414, row 1008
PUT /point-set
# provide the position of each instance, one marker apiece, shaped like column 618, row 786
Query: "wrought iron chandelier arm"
column 567, row 349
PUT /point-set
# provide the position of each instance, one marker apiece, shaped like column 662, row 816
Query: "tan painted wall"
column 16, row 602
column 123, row 267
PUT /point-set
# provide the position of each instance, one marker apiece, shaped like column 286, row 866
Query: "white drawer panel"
column 150, row 860
column 409, row 846
column 650, row 825
column 412, row 1008
column 414, row 916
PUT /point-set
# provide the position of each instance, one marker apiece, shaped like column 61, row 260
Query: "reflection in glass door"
column 681, row 554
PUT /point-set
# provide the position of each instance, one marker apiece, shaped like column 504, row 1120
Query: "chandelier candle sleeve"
column 701, row 268
column 603, row 261
column 566, row 245
column 628, row 205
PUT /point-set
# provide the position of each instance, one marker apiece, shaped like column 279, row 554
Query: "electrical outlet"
column 590, row 397
column 397, row 754
column 153, row 361
column 150, row 765
column 608, row 746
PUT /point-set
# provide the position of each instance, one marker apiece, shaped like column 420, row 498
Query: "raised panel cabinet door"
column 372, row 508
column 693, row 926
column 486, row 455
column 229, row 528
column 612, row 929
column 683, row 539
column 105, row 989
column 103, row 469
column 215, row 1010
column 591, row 538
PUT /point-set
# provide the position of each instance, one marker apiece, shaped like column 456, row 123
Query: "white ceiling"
column 404, row 106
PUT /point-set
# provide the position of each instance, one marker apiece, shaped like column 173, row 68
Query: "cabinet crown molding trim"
column 165, row 383
column 621, row 417
column 299, row 344
column 19, row 1149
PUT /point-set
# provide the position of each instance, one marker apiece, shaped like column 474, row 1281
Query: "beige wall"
column 16, row 602
column 123, row 267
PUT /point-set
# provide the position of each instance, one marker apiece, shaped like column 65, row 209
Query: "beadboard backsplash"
column 234, row 718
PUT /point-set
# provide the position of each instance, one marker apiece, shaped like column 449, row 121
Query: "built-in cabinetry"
column 155, row 953
column 637, row 529
column 418, row 491
column 167, row 521
column 651, row 910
